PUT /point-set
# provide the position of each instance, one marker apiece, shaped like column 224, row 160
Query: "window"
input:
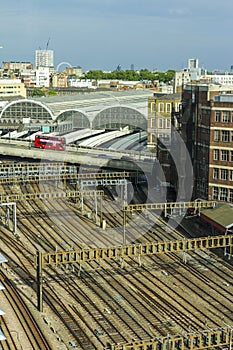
column 225, row 135
column 168, row 107
column 217, row 116
column 160, row 126
column 215, row 193
column 231, row 175
column 217, row 135
column 223, row 194
column 168, row 123
column 224, row 174
column 216, row 154
column 215, row 173
column 225, row 155
column 231, row 195
column 231, row 159
column 226, row 116
column 161, row 107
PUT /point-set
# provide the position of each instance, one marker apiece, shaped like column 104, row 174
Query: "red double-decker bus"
column 50, row 142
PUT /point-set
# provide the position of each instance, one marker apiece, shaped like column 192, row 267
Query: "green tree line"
column 142, row 75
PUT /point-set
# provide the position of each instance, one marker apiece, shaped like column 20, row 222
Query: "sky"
column 102, row 34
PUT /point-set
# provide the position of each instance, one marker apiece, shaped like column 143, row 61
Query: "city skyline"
column 108, row 33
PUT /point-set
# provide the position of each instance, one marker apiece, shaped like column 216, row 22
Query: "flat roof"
column 222, row 215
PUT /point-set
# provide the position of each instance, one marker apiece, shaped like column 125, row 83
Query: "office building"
column 161, row 108
column 193, row 63
column 44, row 58
column 12, row 88
column 43, row 77
column 190, row 74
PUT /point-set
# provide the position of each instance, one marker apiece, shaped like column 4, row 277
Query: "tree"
column 143, row 75
column 52, row 93
column 37, row 92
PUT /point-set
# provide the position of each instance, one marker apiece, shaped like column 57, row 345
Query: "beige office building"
column 12, row 87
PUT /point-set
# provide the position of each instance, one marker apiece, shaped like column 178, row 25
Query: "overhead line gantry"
column 220, row 338
column 8, row 200
column 32, row 172
column 81, row 256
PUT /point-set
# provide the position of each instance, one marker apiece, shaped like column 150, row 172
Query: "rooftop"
column 222, row 215
column 94, row 101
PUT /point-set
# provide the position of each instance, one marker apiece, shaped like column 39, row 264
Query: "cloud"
column 107, row 32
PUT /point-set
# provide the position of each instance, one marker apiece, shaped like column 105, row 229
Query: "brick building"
column 207, row 130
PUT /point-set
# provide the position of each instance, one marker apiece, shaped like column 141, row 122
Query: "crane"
column 47, row 44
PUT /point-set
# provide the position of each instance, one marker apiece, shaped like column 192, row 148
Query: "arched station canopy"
column 118, row 117
column 77, row 118
column 86, row 110
column 15, row 112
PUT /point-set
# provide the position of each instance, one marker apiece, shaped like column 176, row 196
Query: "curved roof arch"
column 27, row 108
column 119, row 116
column 79, row 119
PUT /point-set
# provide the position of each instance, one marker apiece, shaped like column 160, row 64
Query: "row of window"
column 164, row 123
column 224, row 155
column 223, row 194
column 223, row 135
column 10, row 87
column 164, row 107
column 223, row 116
column 9, row 92
column 222, row 174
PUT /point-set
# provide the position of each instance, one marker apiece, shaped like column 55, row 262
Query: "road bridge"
column 77, row 155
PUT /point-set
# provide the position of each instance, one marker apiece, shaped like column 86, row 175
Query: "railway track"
column 116, row 302
column 34, row 339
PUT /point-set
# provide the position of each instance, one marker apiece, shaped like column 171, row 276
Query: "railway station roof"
column 221, row 216
column 2, row 312
column 2, row 336
column 81, row 109
column 2, row 258
column 93, row 102
column 86, row 100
